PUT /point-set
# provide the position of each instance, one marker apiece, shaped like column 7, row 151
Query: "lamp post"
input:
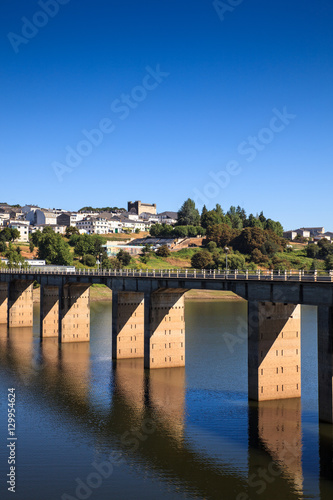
column 226, row 249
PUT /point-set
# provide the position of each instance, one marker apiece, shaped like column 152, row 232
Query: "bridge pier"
column 325, row 363
column 3, row 303
column 164, row 329
column 74, row 321
column 127, row 325
column 274, row 351
column 20, row 303
column 50, row 298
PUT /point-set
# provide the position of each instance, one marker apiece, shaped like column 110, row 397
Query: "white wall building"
column 23, row 227
column 45, row 217
column 99, row 225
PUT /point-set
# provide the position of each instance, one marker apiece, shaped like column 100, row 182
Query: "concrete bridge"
column 148, row 318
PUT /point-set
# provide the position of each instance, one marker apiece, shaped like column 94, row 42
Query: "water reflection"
column 326, row 459
column 143, row 415
column 275, row 433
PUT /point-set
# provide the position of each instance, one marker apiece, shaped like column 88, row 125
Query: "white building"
column 45, row 217
column 55, row 227
column 291, row 235
column 99, row 225
column 23, row 227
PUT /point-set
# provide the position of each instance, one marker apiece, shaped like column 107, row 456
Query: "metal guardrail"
column 209, row 274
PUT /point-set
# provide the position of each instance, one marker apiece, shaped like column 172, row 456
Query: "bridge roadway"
column 148, row 319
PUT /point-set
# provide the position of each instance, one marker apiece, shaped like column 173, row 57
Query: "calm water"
column 90, row 428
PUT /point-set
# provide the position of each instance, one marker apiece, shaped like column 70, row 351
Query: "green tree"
column 274, row 226
column 329, row 263
column 210, row 218
column 89, row 260
column 15, row 234
column 163, row 251
column 124, row 257
column 70, row 230
column 180, row 231
column 6, row 234
column 188, row 215
column 211, row 246
column 53, row 249
column 312, row 251
column 202, row 260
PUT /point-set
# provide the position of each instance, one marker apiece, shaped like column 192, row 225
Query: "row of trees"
column 102, row 209
column 167, row 231
column 235, row 218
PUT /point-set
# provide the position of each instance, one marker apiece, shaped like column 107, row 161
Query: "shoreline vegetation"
column 101, row 293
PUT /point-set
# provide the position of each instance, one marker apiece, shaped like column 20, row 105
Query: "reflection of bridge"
column 60, row 379
column 148, row 319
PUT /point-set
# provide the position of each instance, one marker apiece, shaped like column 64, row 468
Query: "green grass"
column 298, row 259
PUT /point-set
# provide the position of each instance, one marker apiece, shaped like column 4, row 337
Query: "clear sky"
column 228, row 103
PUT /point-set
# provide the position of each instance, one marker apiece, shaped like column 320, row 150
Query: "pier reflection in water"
column 177, row 433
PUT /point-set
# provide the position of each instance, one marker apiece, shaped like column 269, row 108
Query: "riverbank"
column 101, row 293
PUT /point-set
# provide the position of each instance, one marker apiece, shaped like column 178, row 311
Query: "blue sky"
column 229, row 107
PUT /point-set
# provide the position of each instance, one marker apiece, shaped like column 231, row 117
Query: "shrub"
column 202, row 260
column 89, row 260
column 163, row 251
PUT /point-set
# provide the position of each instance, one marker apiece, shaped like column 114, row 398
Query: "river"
column 88, row 427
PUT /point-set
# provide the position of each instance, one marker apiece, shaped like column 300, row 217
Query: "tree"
column 202, row 260
column 6, row 234
column 163, row 251
column 70, row 230
column 210, row 218
column 249, row 239
column 124, row 257
column 15, row 234
column 180, row 231
column 53, row 249
column 36, row 237
column 329, row 263
column 274, row 226
column 258, row 257
column 312, row 251
column 241, row 213
column 222, row 234
column 212, row 246
column 188, row 215
column 31, row 246
column 3, row 246
column 203, row 211
column 89, row 260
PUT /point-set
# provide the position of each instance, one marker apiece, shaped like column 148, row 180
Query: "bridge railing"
column 237, row 274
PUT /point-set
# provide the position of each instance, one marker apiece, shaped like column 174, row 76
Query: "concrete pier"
column 127, row 325
column 3, row 303
column 75, row 313
column 164, row 342
column 274, row 351
column 325, row 363
column 20, row 303
column 50, row 298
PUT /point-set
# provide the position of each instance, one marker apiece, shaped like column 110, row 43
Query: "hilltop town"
column 139, row 236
